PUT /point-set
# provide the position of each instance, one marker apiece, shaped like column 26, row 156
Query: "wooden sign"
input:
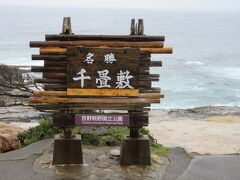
column 102, row 119
column 102, row 71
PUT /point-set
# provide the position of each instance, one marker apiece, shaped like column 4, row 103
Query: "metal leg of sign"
column 67, row 151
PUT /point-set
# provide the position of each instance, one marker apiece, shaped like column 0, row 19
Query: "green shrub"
column 118, row 132
column 104, row 139
column 144, row 131
column 159, row 149
column 44, row 130
column 88, row 138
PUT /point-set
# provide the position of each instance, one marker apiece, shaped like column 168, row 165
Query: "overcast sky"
column 218, row 5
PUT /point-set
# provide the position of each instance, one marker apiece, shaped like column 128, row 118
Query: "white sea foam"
column 194, row 62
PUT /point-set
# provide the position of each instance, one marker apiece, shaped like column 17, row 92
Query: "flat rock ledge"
column 214, row 135
column 21, row 113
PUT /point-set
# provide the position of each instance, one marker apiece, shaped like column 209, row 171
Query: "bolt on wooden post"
column 83, row 74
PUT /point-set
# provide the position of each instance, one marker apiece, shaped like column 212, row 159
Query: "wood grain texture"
column 61, row 37
column 48, row 69
column 108, row 101
column 54, row 63
column 50, row 81
column 64, row 94
column 103, row 92
column 77, row 107
column 97, row 43
column 49, row 57
column 49, row 93
column 54, row 75
column 62, row 51
column 164, row 50
column 126, row 60
column 56, row 87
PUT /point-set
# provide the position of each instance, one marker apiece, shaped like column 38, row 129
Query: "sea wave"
column 155, row 106
column 230, row 72
column 194, row 62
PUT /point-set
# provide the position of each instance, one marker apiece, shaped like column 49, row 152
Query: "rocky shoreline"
column 14, row 107
column 173, row 123
column 197, row 113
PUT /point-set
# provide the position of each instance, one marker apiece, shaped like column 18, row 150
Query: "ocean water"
column 203, row 70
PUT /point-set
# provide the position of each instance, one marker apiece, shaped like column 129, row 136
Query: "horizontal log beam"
column 93, row 100
column 55, row 87
column 48, row 69
column 144, row 89
column 103, row 92
column 64, row 94
column 150, row 90
column 54, row 75
column 50, row 81
column 62, row 51
column 164, row 50
column 49, row 93
column 48, row 63
column 57, row 37
column 64, row 44
column 53, row 51
column 75, row 107
column 49, row 57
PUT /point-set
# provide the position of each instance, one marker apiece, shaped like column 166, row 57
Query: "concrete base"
column 135, row 151
column 67, row 151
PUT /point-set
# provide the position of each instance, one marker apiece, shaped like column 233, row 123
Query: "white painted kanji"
column 103, row 79
column 89, row 58
column 109, row 58
column 81, row 77
column 123, row 79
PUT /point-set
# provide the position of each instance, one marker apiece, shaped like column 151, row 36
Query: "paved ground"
column 222, row 167
column 18, row 165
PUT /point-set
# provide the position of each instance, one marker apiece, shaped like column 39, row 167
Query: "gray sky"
column 218, row 5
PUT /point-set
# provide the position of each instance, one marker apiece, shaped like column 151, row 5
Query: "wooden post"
column 136, row 28
column 140, row 27
column 67, row 148
column 134, row 131
column 136, row 148
column 133, row 27
column 66, row 28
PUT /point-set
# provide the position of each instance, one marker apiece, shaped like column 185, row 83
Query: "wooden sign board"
column 102, row 71
column 101, row 120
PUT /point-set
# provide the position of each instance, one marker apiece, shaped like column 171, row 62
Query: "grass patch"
column 159, row 149
column 144, row 131
column 115, row 134
column 43, row 131
column 46, row 130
